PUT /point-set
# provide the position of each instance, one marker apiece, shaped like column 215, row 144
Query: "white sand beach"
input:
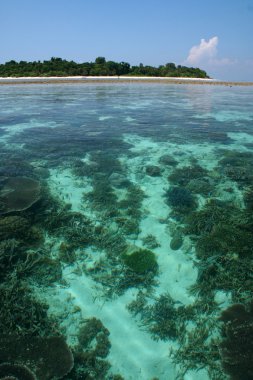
column 119, row 79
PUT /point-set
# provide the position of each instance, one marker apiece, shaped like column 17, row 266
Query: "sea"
column 125, row 231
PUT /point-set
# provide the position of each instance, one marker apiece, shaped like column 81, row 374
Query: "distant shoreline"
column 116, row 79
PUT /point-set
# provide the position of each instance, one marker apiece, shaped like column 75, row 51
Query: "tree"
column 124, row 68
column 170, row 66
column 100, row 60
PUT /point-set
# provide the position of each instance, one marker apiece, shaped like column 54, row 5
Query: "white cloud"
column 205, row 51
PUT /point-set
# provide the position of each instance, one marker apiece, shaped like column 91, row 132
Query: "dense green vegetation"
column 101, row 67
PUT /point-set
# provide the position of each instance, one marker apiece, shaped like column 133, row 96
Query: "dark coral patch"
column 237, row 344
column 181, row 199
column 18, row 194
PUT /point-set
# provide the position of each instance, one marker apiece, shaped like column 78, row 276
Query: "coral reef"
column 153, row 171
column 76, row 228
column 40, row 235
column 183, row 176
column 107, row 161
column 237, row 343
column 47, row 357
column 223, row 242
column 213, row 213
column 130, row 206
column 197, row 350
column 57, row 146
column 204, row 186
column 119, row 180
column 164, row 319
column 20, row 228
column 9, row 371
column 11, row 166
column 89, row 367
column 90, row 354
column 180, row 199
column 67, row 253
column 128, row 226
column 226, row 239
column 94, row 336
column 102, row 196
column 168, row 160
column 248, row 198
column 163, row 315
column 41, row 268
column 13, row 227
column 18, row 194
column 229, row 273
column 220, row 228
column 82, row 169
column 237, row 166
column 150, row 241
column 129, row 279
column 9, row 254
column 22, row 313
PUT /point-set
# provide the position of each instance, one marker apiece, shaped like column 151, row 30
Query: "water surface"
column 141, row 235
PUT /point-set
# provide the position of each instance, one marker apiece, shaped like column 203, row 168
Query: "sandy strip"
column 116, row 79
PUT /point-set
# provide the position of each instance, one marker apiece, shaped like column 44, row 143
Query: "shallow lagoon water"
column 129, row 245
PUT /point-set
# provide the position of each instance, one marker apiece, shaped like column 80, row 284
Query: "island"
column 58, row 67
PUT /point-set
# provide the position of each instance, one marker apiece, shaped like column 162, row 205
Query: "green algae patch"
column 141, row 261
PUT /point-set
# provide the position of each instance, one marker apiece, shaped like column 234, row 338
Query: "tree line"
column 61, row 67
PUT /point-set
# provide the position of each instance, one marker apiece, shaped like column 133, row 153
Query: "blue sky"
column 215, row 35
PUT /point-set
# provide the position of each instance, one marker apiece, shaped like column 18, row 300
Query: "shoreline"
column 116, row 79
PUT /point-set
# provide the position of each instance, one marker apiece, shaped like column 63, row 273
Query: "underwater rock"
column 153, row 171
column 9, row 371
column 45, row 358
column 176, row 242
column 18, row 194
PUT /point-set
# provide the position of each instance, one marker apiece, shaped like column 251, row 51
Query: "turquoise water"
column 126, row 231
